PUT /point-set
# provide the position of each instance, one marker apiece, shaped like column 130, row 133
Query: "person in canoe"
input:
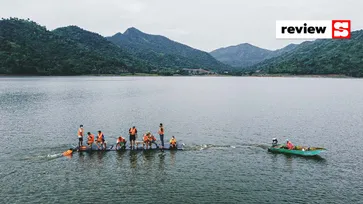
column 161, row 134
column 152, row 140
column 146, row 141
column 274, row 142
column 90, row 139
column 101, row 140
column 80, row 135
column 289, row 145
column 172, row 142
column 121, row 143
column 132, row 132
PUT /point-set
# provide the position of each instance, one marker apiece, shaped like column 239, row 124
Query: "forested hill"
column 163, row 52
column 28, row 48
column 319, row 57
column 100, row 45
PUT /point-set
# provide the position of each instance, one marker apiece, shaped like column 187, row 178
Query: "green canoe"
column 298, row 150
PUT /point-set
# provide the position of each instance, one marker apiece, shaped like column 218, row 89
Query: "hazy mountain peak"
column 163, row 52
column 241, row 55
column 132, row 30
column 117, row 35
column 246, row 54
column 245, row 45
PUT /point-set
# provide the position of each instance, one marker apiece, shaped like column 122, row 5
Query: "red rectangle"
column 341, row 29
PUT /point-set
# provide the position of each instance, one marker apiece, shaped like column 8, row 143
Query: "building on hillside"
column 197, row 71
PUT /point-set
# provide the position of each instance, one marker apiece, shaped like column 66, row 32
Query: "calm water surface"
column 226, row 124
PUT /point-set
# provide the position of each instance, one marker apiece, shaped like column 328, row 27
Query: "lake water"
column 226, row 123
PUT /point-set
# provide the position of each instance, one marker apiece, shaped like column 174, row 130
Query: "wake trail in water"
column 217, row 147
column 262, row 146
column 194, row 147
column 41, row 158
column 2, row 176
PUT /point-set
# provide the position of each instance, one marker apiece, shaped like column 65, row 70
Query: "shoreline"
column 215, row 75
column 306, row 76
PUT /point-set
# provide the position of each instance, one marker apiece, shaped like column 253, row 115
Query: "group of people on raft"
column 148, row 139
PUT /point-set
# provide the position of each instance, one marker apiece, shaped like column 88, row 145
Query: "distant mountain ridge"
column 245, row 54
column 162, row 52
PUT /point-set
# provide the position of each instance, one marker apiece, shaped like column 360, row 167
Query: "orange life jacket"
column 173, row 141
column 80, row 132
column 146, row 138
column 67, row 153
column 161, row 131
column 99, row 139
column 121, row 140
column 152, row 138
column 91, row 138
column 133, row 131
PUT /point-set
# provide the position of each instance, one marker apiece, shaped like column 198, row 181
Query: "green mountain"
column 245, row 54
column 99, row 44
column 278, row 52
column 343, row 56
column 163, row 52
column 28, row 48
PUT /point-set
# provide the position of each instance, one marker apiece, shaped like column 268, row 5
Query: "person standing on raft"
column 101, row 140
column 161, row 134
column 133, row 132
column 80, row 135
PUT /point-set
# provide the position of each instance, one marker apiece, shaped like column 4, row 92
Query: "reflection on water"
column 81, row 157
column 100, row 156
column 120, row 156
column 148, row 158
column 290, row 157
column 133, row 159
column 162, row 162
column 172, row 157
column 92, row 155
column 288, row 163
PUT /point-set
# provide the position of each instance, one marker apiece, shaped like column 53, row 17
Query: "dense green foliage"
column 28, row 48
column 96, row 43
column 244, row 55
column 163, row 52
column 344, row 56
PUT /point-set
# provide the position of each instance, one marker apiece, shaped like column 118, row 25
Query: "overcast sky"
column 202, row 24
